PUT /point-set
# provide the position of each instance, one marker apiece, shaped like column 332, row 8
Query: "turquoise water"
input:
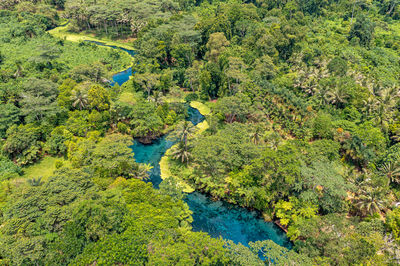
column 217, row 218
column 123, row 76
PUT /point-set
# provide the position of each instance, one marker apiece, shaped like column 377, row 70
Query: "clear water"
column 217, row 218
column 123, row 76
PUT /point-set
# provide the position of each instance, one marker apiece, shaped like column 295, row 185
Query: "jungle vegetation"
column 304, row 128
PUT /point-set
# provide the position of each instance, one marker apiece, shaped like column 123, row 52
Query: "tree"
column 39, row 100
column 371, row 201
column 186, row 248
column 23, row 143
column 97, row 97
column 79, row 98
column 393, row 222
column 277, row 255
column 363, row 29
column 47, row 53
column 112, row 158
column 322, row 126
column 337, row 96
column 323, row 184
column 148, row 81
column 181, row 152
column 192, row 75
column 392, row 170
column 9, row 115
column 233, row 108
column 216, row 45
column 8, row 169
column 145, row 121
column 228, row 150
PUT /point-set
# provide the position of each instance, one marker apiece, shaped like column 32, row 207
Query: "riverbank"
column 167, row 161
column 63, row 33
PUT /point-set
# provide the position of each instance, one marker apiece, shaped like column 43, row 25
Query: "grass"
column 201, row 127
column 166, row 173
column 203, row 109
column 166, row 160
column 63, row 33
column 44, row 168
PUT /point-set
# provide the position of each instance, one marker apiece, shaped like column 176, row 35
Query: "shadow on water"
column 217, row 218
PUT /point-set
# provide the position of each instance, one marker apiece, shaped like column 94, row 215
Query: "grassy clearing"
column 43, row 169
column 63, row 33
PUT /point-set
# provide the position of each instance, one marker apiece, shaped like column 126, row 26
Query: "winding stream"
column 217, row 218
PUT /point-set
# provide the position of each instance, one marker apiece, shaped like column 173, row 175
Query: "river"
column 217, row 218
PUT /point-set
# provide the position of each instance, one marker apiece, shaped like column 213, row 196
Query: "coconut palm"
column 392, row 170
column 386, row 101
column 368, row 199
column 337, row 96
column 370, row 203
column 79, row 99
column 157, row 97
column 181, row 152
column 185, row 130
column 35, row 182
column 370, row 106
column 142, row 171
column 273, row 140
column 256, row 136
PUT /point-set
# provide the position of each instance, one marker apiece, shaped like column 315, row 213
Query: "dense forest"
column 301, row 100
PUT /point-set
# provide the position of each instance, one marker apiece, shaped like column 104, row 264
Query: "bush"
column 191, row 97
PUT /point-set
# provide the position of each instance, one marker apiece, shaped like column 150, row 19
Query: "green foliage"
column 8, row 169
column 303, row 128
column 393, row 223
column 291, row 213
column 9, row 115
column 322, row 127
column 363, row 30
column 278, row 255
column 98, row 98
column 23, row 143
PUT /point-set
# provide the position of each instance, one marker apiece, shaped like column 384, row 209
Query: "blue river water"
column 217, row 218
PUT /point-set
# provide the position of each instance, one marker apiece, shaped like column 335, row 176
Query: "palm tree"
column 79, row 99
column 273, row 140
column 157, row 97
column 185, row 131
column 367, row 198
column 255, row 137
column 142, row 171
column 369, row 106
column 337, row 96
column 392, row 170
column 35, row 182
column 20, row 69
column 181, row 152
column 370, row 202
column 387, row 99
